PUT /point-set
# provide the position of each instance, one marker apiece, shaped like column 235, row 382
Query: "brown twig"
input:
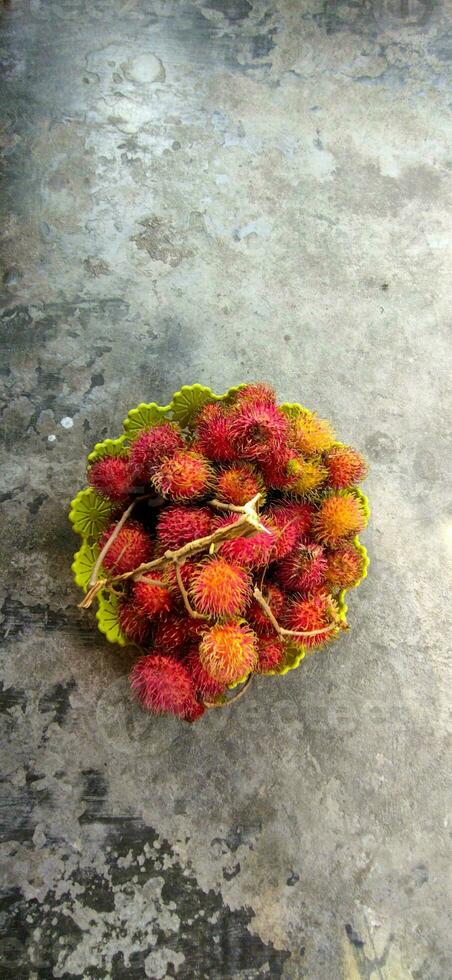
column 284, row 632
column 191, row 612
column 109, row 543
column 247, row 524
column 224, row 704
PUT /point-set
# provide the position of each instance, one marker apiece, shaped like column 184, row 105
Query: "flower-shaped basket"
column 95, row 514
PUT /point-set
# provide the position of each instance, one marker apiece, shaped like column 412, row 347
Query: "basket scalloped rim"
column 106, row 621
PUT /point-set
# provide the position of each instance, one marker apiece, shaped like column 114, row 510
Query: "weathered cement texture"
column 219, row 191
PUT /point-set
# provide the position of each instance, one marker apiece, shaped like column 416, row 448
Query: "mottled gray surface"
column 219, row 191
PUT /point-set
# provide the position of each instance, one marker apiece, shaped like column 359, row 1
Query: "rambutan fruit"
column 177, row 526
column 271, row 651
column 258, row 430
column 275, row 468
column 133, row 624
column 228, row 651
column 345, row 566
column 345, row 467
column 212, row 433
column 258, row 619
column 306, row 475
column 292, row 522
column 238, row 484
column 314, row 612
column 258, row 392
column 251, row 552
column 206, row 686
column 151, row 447
column 150, row 598
column 131, row 547
column 340, row 515
column 196, row 711
column 162, row 684
column 110, row 477
column 304, row 569
column 170, row 634
column 219, row 588
column 310, row 434
column 183, row 476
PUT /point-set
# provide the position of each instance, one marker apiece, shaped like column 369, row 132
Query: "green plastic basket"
column 90, row 514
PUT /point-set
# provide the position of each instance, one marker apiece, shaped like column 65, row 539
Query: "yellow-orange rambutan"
column 183, row 476
column 238, row 484
column 219, row 588
column 306, row 475
column 346, row 467
column 340, row 515
column 345, row 566
column 228, row 651
column 310, row 434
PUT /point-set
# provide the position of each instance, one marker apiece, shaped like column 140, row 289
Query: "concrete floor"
column 218, row 191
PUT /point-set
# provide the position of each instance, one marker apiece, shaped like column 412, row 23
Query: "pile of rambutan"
column 220, row 537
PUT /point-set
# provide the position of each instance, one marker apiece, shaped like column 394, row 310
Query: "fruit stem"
column 247, row 524
column 225, row 704
column 109, row 543
column 280, row 629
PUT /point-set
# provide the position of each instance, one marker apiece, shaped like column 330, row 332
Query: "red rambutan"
column 303, row 570
column 170, row 634
column 340, row 515
column 292, row 522
column 345, row 566
column 177, row 526
column 251, row 552
column 220, row 589
column 151, row 598
column 271, row 652
column 213, row 437
column 258, row 430
column 345, row 467
column 311, row 613
column 134, row 626
column 162, row 684
column 151, row 448
column 275, row 468
column 111, row 478
column 130, row 548
column 258, row 619
column 310, row 434
column 183, row 476
column 257, row 392
column 206, row 686
column 228, row 651
column 196, row 711
column 238, row 484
